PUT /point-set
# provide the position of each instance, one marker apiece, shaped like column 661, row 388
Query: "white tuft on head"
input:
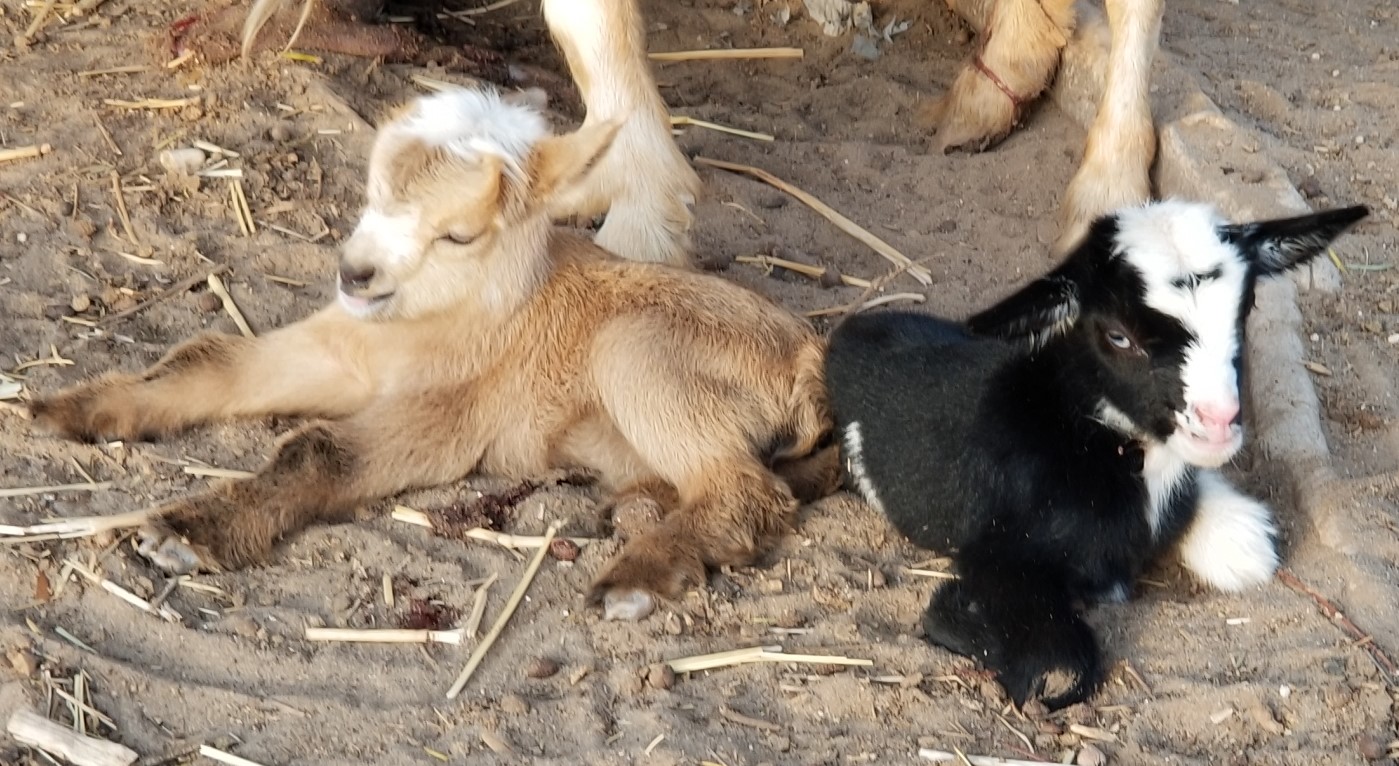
column 1232, row 543
column 473, row 123
column 1192, row 275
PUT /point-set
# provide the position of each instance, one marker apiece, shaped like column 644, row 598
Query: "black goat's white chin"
column 1206, row 451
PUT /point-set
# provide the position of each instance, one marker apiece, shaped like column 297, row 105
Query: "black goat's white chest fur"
column 1060, row 441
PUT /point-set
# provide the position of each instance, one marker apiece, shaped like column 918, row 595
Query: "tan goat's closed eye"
column 459, row 237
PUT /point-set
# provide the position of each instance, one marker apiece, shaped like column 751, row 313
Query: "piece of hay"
column 728, row 54
column 505, row 540
column 217, row 473
column 162, row 611
column 30, row 728
column 81, row 526
column 679, row 121
column 757, row 654
column 942, row 756
column 846, row 225
column 478, row 606
column 490, row 638
column 153, row 103
column 214, row 754
column 387, row 636
column 131, row 69
column 217, row 288
column 6, row 529
column 24, row 152
column 815, row 272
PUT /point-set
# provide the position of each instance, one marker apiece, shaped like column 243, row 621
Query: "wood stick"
column 942, row 756
column 30, row 728
column 510, row 606
column 1338, row 618
column 214, row 754
column 217, row 288
column 164, row 612
column 846, row 225
column 728, row 54
column 387, row 635
column 132, row 69
column 24, row 152
column 745, row 720
column 179, row 287
column 153, row 103
column 26, row 491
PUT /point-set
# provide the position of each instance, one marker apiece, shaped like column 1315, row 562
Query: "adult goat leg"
column 1016, row 58
column 1121, row 146
column 643, row 182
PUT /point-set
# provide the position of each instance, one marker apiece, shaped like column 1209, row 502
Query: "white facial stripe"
column 473, row 123
column 395, row 237
column 1171, row 244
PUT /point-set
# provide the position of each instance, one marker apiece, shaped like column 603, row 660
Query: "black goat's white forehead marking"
column 1193, row 276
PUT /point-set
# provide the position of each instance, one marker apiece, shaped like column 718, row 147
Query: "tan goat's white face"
column 456, row 208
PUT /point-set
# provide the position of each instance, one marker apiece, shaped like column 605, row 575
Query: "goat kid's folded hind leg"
column 1024, row 630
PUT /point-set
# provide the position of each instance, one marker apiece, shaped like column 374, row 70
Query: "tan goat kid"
column 469, row 335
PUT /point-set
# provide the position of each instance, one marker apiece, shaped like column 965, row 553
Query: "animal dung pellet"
column 659, row 676
column 208, row 302
column 1371, row 748
column 541, row 667
column 182, row 162
column 563, row 549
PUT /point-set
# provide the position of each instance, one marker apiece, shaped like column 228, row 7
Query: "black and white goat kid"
column 1059, row 441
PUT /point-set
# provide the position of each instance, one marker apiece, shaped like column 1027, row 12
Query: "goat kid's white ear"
column 560, row 162
column 1281, row 244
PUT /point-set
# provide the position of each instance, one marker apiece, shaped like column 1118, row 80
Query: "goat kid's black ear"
column 1051, row 304
column 1281, row 244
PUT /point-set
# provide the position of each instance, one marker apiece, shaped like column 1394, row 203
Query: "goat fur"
column 1047, row 459
column 470, row 336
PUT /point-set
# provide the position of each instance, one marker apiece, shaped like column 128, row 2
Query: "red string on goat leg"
column 1016, row 100
column 1335, row 615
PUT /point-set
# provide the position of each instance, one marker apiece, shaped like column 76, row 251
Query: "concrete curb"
column 1204, row 155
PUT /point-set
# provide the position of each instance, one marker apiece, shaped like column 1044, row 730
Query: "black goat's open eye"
column 1119, row 340
column 459, row 237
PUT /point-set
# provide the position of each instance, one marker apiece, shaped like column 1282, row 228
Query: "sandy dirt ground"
column 1199, row 677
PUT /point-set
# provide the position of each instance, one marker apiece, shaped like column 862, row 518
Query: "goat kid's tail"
column 262, row 12
column 811, row 463
column 1020, row 623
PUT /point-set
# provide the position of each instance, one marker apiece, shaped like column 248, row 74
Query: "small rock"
column 21, row 238
column 280, row 133
column 946, row 227
column 830, row 278
column 239, row 625
column 208, row 302
column 779, row 743
column 80, row 303
column 1090, row 755
column 878, row 579
column 23, row 661
column 514, row 704
column 770, row 586
column 659, row 676
column 1035, row 710
column 182, row 162
column 563, row 549
column 541, row 667
column 1371, row 748
column 772, row 201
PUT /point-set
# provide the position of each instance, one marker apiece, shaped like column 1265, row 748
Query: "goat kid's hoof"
column 627, row 604
column 78, row 416
column 172, row 552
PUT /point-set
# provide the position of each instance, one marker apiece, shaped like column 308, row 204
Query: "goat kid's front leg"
column 1017, row 56
column 643, row 182
column 729, row 516
column 322, row 473
column 1233, row 541
column 312, row 367
column 1121, row 146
